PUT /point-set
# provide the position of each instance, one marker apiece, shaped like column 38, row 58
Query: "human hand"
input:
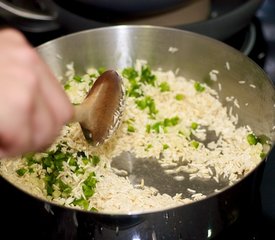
column 33, row 105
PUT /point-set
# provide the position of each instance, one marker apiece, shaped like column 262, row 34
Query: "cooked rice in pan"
column 167, row 118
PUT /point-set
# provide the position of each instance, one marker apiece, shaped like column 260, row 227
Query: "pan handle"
column 11, row 9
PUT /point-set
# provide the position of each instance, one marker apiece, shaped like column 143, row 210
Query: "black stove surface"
column 19, row 220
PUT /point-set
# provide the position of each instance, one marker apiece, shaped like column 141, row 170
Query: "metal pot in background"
column 125, row 8
column 118, row 47
column 218, row 19
column 30, row 16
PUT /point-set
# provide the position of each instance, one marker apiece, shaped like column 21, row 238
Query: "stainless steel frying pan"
column 118, row 47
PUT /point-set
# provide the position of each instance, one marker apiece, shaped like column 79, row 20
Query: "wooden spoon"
column 100, row 113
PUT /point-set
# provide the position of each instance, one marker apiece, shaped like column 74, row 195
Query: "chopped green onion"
column 85, row 160
column 262, row 155
column 21, row 171
column 195, row 144
column 142, row 104
column 252, row 139
column 149, row 103
column 65, row 189
column 130, row 73
column 194, row 125
column 148, row 147
column 82, row 203
column 83, row 157
column 101, row 70
column 199, row 87
column 93, row 209
column 156, row 127
column 30, row 159
column 95, row 160
column 89, row 185
column 93, row 75
column 50, row 180
column 53, row 164
column 91, row 82
column 263, row 139
column 171, row 121
column 78, row 79
column 134, row 91
column 148, row 128
column 67, row 86
column 181, row 133
column 88, row 191
column 179, row 97
column 73, row 162
column 164, row 87
column 79, row 171
column 131, row 128
column 165, row 146
column 162, row 125
column 146, row 76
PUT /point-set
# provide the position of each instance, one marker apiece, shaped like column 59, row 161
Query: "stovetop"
column 257, row 42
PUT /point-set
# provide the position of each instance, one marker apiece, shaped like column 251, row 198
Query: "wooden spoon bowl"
column 100, row 113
